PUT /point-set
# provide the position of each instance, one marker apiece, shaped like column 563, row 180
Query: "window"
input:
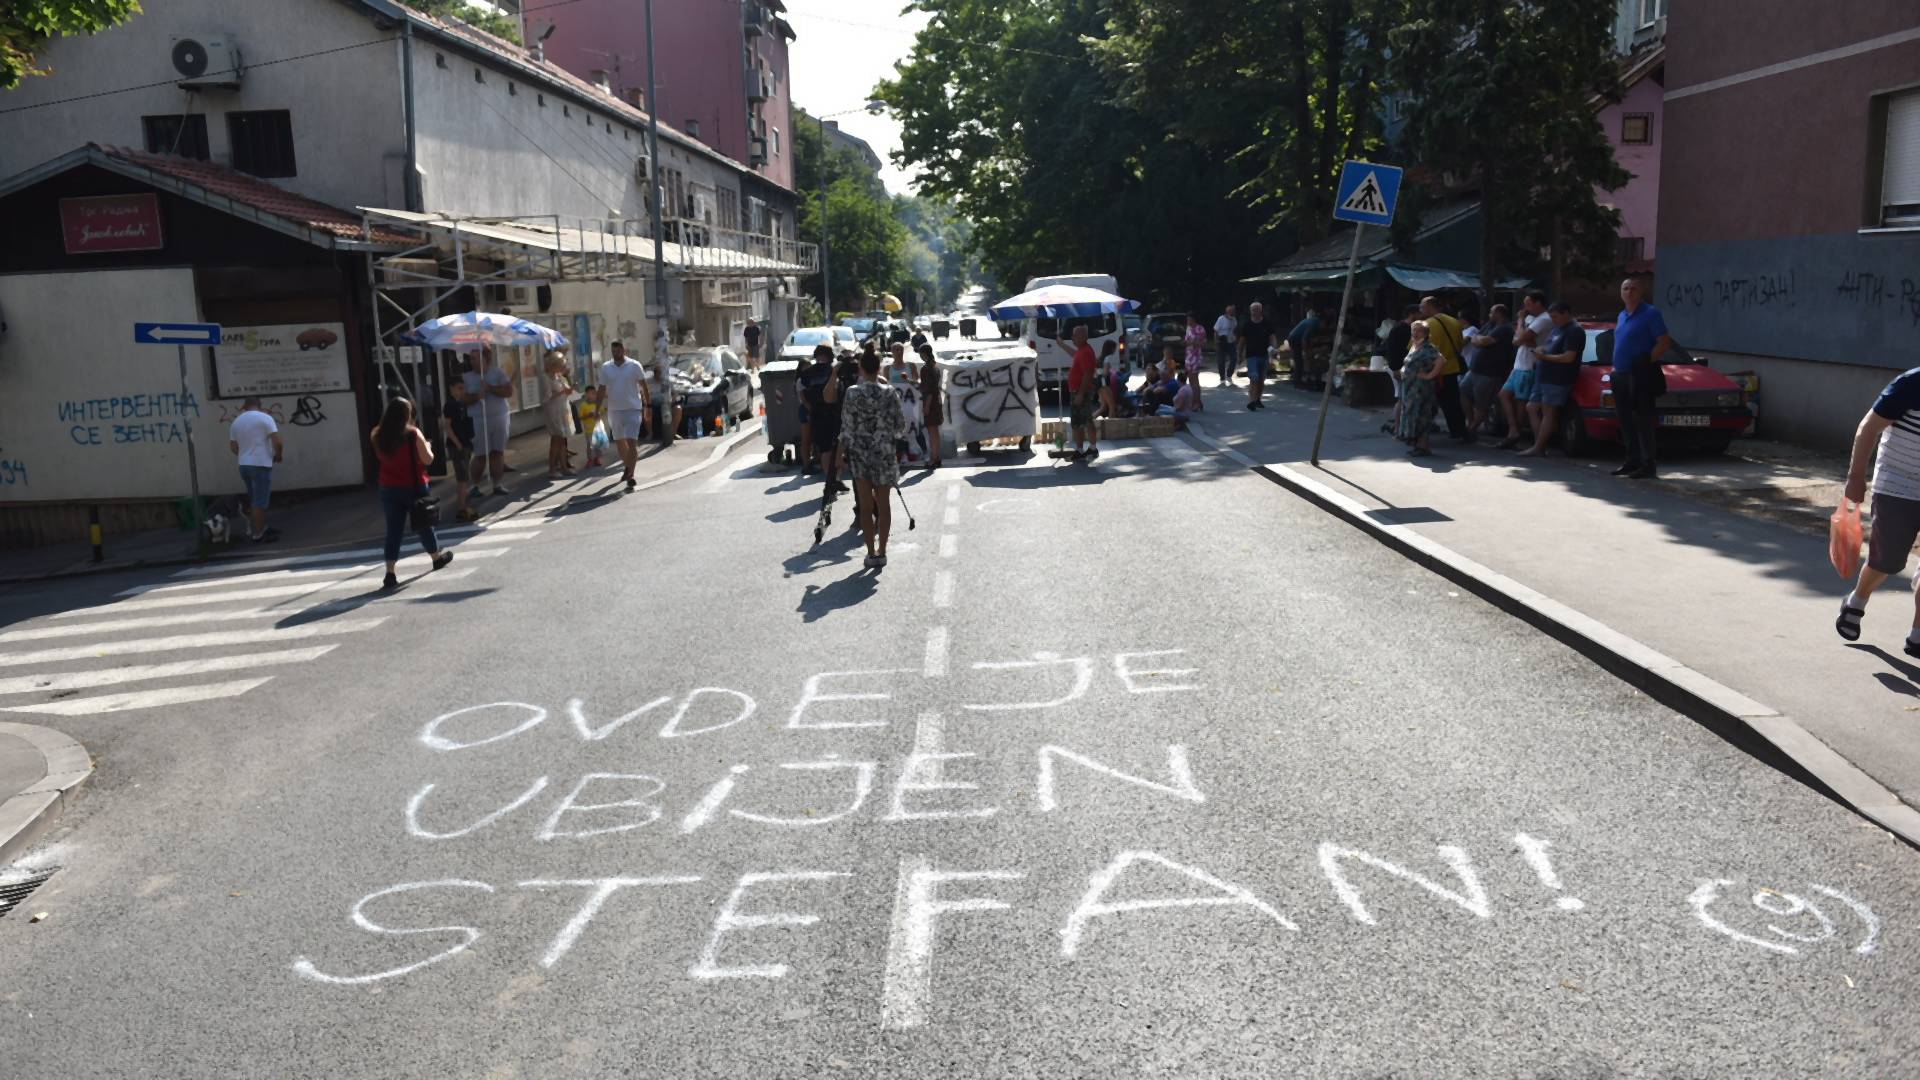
column 440, row 60
column 262, row 142
column 477, row 77
column 182, row 135
column 512, row 90
column 1636, row 128
column 1900, row 159
column 773, row 142
column 1651, row 10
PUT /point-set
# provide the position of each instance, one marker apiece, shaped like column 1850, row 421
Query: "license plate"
column 1685, row 420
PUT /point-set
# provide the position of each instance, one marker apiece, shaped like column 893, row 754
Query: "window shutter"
column 1901, row 183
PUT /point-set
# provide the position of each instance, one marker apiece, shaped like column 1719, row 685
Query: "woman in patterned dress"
column 870, row 423
column 1418, row 401
column 1196, row 342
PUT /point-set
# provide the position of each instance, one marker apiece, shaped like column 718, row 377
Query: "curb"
column 1690, row 693
column 25, row 817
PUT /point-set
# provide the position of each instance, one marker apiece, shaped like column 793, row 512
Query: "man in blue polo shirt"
column 1640, row 339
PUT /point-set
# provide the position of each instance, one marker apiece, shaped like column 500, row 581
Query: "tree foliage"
column 1506, row 96
column 1013, row 112
column 485, row 18
column 26, row 25
column 866, row 244
column 1180, row 144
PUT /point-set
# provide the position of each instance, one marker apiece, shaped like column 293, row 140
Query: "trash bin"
column 780, row 396
column 968, row 327
column 941, row 328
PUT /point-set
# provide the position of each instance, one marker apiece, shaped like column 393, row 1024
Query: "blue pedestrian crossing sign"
column 1366, row 193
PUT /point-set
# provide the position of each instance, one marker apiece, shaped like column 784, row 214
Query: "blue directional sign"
column 1367, row 193
column 176, row 333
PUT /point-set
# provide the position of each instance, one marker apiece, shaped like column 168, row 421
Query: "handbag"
column 424, row 514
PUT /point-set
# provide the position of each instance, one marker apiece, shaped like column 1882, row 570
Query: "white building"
column 340, row 104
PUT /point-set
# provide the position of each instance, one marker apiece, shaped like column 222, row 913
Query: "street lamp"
column 826, row 277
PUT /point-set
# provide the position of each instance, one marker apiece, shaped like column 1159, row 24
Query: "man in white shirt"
column 625, row 383
column 1224, row 330
column 487, row 389
column 255, row 440
column 1531, row 333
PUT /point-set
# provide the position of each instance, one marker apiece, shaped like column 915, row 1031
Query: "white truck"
column 1041, row 333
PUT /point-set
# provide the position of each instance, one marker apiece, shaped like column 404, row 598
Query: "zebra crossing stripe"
column 191, row 599
column 1177, row 451
column 141, row 699
column 126, row 673
column 149, row 622
column 332, row 560
column 411, row 562
column 134, row 646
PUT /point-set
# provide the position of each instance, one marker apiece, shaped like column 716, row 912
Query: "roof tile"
column 253, row 192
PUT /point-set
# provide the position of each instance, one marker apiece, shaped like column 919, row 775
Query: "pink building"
column 1634, row 126
column 722, row 68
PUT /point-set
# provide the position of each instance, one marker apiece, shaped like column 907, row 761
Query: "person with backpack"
column 404, row 456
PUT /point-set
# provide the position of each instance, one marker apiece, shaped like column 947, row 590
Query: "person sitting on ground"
column 1181, row 407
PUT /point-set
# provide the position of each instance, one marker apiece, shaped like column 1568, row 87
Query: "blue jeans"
column 395, row 502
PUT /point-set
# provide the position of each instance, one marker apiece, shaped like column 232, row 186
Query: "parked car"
column 861, row 327
column 710, row 381
column 800, row 344
column 1166, row 328
column 923, row 323
column 1702, row 408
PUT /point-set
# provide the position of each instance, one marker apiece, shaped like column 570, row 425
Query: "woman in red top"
column 404, row 456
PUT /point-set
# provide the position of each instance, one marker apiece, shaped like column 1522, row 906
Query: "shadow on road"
column 817, row 602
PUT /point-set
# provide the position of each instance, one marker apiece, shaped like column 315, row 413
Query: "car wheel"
column 1573, row 434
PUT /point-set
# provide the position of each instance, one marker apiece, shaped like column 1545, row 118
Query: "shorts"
column 1256, row 365
column 1552, row 395
column 258, row 480
column 462, row 467
column 1480, row 389
column 623, row 424
column 490, row 434
column 803, row 412
column 1080, row 415
column 1520, row 384
column 1896, row 523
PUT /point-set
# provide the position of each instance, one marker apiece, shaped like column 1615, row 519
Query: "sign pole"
column 1339, row 330
column 193, row 463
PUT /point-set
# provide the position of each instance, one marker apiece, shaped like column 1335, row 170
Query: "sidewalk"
column 310, row 521
column 39, row 767
column 1720, row 565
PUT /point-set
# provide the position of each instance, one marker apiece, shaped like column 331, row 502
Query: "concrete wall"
column 349, row 129
column 89, row 415
column 1808, row 404
column 1638, row 201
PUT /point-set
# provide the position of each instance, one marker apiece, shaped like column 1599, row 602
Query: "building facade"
column 1790, row 202
column 722, row 77
column 341, row 104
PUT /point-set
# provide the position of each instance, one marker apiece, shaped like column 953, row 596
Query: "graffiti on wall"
column 124, row 419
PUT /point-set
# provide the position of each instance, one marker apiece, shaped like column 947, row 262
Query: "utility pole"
column 653, row 174
column 826, row 279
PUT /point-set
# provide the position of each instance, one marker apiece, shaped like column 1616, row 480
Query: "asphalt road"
column 1137, row 768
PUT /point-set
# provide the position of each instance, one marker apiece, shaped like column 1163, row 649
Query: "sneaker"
column 266, row 537
column 442, row 559
column 1623, row 470
column 390, row 582
column 1092, row 452
column 632, row 483
column 879, row 562
column 871, row 562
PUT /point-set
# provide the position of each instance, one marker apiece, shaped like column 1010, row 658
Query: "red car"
column 1701, row 409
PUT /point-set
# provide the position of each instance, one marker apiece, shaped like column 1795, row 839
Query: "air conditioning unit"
column 206, row 61
column 759, row 86
column 756, row 151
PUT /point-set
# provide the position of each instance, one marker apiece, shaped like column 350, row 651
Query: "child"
column 590, row 413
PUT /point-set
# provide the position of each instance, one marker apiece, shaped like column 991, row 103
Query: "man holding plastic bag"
column 1889, row 437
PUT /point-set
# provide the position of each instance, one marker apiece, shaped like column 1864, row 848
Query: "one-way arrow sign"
column 169, row 333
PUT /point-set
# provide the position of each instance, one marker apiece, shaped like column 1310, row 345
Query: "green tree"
column 489, row 19
column 1505, row 95
column 866, row 246
column 26, row 25
column 1014, row 113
